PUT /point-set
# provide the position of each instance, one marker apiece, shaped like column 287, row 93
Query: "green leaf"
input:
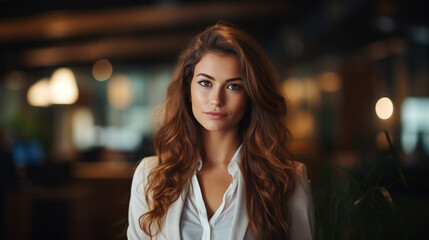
column 396, row 161
column 352, row 179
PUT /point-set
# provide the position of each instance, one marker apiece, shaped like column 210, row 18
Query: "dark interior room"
column 81, row 83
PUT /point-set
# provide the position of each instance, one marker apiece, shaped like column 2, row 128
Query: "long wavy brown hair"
column 266, row 168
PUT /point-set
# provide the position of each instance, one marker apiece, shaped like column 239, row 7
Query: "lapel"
column 172, row 219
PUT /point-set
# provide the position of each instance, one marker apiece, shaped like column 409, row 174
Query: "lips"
column 215, row 115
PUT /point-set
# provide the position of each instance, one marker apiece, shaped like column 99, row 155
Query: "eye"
column 205, row 83
column 234, row 87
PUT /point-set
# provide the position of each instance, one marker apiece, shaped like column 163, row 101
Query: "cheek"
column 240, row 105
column 195, row 98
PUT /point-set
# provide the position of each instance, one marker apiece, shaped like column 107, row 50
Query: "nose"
column 217, row 98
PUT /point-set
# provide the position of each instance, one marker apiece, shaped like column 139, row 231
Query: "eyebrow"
column 212, row 78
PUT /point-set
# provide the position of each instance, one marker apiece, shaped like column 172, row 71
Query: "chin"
column 216, row 128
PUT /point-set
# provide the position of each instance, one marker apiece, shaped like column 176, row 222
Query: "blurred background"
column 81, row 81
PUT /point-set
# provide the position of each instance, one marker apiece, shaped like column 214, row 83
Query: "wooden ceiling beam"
column 69, row 24
column 111, row 48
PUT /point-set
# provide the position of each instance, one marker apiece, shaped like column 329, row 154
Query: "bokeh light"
column 330, row 82
column 63, row 87
column 294, row 89
column 38, row 94
column 120, row 91
column 384, row 108
column 102, row 70
column 303, row 125
column 414, row 124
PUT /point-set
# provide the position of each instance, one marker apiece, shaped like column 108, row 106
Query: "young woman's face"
column 218, row 97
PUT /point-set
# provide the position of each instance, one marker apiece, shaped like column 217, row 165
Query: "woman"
column 222, row 169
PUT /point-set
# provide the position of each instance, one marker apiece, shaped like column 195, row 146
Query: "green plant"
column 355, row 205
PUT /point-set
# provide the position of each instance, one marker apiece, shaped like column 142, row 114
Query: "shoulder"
column 302, row 183
column 147, row 164
column 300, row 171
column 301, row 206
column 151, row 161
column 301, row 167
column 144, row 167
column 138, row 206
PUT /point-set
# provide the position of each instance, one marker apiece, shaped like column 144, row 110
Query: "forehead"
column 221, row 65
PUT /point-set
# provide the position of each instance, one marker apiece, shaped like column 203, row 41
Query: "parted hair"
column 267, row 171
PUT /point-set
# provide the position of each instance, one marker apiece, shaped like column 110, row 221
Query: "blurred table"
column 93, row 204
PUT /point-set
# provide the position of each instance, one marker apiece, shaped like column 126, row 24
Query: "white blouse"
column 194, row 223
column 187, row 216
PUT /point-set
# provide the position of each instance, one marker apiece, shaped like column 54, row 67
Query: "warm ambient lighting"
column 302, row 90
column 39, row 93
column 303, row 125
column 384, row 108
column 63, row 87
column 330, row 82
column 294, row 90
column 60, row 89
column 102, row 70
column 120, row 91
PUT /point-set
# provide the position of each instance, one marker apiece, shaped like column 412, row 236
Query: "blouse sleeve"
column 137, row 205
column 301, row 208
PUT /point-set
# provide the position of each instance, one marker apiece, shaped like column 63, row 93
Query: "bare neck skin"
column 219, row 147
column 214, row 177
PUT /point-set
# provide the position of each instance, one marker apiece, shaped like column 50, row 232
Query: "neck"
column 220, row 147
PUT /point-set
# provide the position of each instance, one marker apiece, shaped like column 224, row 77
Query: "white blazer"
column 300, row 205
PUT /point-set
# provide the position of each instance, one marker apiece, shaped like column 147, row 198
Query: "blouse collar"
column 233, row 165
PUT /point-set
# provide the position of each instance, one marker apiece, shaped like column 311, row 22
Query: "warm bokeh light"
column 38, row 94
column 294, row 89
column 312, row 91
column 303, row 125
column 102, row 70
column 63, row 87
column 330, row 82
column 120, row 91
column 302, row 90
column 384, row 108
